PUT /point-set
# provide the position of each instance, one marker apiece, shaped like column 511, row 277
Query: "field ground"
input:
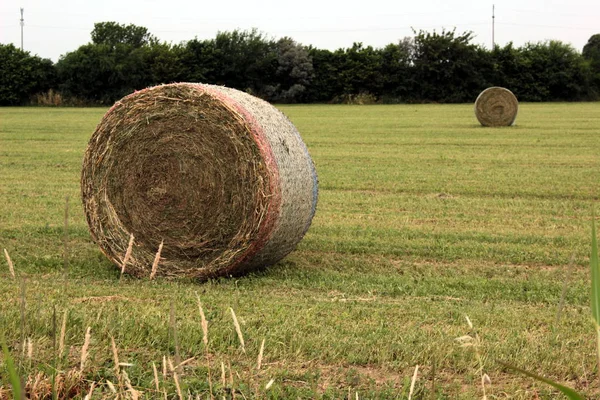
column 424, row 217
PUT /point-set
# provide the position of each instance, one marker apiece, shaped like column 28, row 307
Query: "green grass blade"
column 595, row 276
column 13, row 376
column 570, row 393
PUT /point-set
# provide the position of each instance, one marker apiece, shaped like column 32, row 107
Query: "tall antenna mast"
column 493, row 25
column 22, row 24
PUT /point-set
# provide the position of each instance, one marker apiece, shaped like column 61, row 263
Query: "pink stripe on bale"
column 274, row 208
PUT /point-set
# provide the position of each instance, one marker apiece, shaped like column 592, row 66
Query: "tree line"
column 444, row 67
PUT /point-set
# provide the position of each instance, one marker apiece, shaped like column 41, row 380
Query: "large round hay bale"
column 222, row 178
column 496, row 106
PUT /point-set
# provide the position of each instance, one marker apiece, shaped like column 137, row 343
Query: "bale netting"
column 496, row 106
column 220, row 178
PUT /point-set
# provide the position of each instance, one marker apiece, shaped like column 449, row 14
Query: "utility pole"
column 22, row 24
column 493, row 25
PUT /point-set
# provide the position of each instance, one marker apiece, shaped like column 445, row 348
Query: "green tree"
column 506, row 68
column 552, row 71
column 293, row 74
column 120, row 60
column 396, row 59
column 23, row 75
column 591, row 53
column 164, row 63
column 360, row 70
column 101, row 73
column 325, row 84
column 447, row 67
column 112, row 34
column 199, row 61
column 244, row 60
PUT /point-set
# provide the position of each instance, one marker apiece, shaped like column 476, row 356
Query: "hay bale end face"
column 496, row 106
column 221, row 177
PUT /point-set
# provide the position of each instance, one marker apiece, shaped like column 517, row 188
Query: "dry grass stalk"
column 135, row 395
column 563, row 294
column 85, row 348
column 29, row 348
column 62, row 385
column 88, row 396
column 412, row 383
column 127, row 254
column 156, row 260
column 156, row 384
column 115, row 354
column 203, row 322
column 231, row 380
column 11, row 267
column 223, row 375
column 66, row 236
column 111, row 386
column 61, row 340
column 173, row 324
column 164, row 366
column 238, row 330
column 22, row 309
column 260, row 354
column 177, row 386
column 35, row 387
column 184, row 362
column 170, row 364
column 475, row 342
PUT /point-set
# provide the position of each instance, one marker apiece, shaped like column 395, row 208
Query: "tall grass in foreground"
column 74, row 381
column 595, row 298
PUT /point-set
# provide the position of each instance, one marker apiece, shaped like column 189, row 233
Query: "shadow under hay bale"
column 222, row 177
column 496, row 106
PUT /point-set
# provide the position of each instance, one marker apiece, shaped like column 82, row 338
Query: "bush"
column 23, row 75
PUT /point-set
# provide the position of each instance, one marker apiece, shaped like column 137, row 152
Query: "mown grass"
column 423, row 217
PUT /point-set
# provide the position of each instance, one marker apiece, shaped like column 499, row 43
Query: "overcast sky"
column 55, row 27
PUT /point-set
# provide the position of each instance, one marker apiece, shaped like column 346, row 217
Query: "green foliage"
column 102, row 73
column 294, row 72
column 591, row 52
column 22, row 75
column 396, row 73
column 325, row 84
column 119, row 60
column 551, row 71
column 446, row 67
column 113, row 34
column 429, row 67
column 245, row 60
column 13, row 376
column 567, row 391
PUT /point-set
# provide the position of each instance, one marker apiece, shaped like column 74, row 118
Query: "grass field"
column 424, row 217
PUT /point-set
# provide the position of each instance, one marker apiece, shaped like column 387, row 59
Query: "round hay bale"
column 218, row 176
column 496, row 106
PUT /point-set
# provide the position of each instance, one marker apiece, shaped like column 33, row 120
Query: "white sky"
column 55, row 27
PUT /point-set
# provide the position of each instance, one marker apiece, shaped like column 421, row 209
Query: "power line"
column 580, row 28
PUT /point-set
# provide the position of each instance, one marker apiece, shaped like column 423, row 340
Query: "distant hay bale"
column 496, row 106
column 222, row 178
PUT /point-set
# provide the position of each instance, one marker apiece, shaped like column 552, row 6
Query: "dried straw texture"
column 496, row 106
column 219, row 176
